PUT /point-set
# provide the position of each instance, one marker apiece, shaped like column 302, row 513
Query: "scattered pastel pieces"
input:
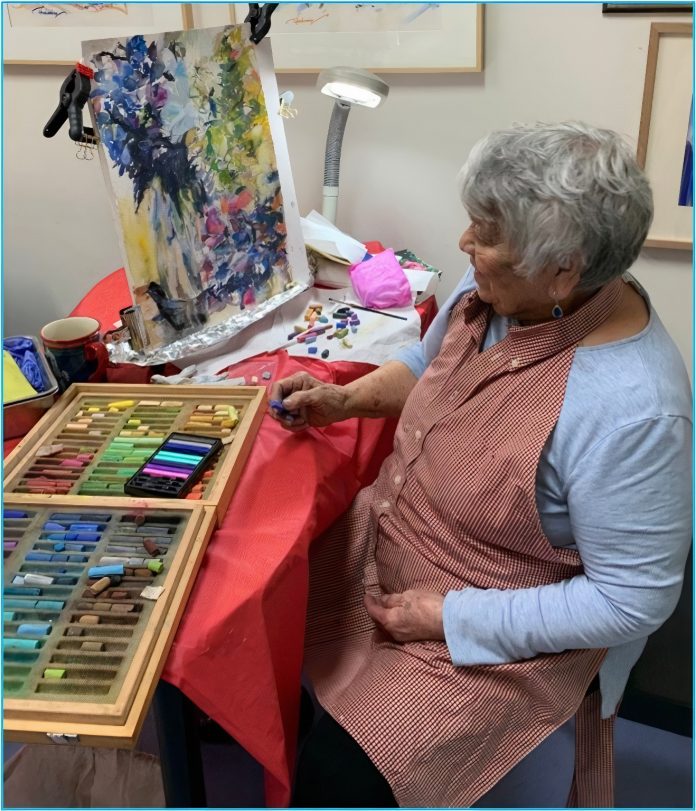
column 266, row 375
column 325, row 354
column 346, row 344
column 312, row 350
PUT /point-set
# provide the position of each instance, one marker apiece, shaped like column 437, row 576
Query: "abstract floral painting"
column 185, row 131
column 686, row 186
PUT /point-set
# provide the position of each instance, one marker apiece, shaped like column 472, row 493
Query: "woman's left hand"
column 408, row 617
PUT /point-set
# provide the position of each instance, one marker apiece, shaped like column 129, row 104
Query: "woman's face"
column 510, row 294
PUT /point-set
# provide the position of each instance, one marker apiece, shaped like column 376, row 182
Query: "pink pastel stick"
column 164, row 474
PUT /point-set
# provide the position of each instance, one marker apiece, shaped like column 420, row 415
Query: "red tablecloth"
column 238, row 651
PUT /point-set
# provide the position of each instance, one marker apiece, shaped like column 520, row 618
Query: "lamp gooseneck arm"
column 332, row 158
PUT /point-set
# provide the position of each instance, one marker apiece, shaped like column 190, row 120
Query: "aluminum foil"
column 202, row 339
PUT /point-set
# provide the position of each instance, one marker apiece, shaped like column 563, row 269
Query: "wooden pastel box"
column 82, row 652
column 104, row 432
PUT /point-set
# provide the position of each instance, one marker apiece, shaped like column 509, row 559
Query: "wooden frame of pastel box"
column 250, row 400
column 116, row 724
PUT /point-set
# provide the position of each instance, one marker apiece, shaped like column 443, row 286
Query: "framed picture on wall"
column 663, row 145
column 384, row 37
column 647, row 8
column 51, row 33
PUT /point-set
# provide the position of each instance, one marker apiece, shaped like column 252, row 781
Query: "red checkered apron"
column 454, row 506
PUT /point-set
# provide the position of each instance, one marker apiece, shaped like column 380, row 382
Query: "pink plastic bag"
column 380, row 282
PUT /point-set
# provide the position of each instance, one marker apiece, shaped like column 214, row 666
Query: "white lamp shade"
column 353, row 86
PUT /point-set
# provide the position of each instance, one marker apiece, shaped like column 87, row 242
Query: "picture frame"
column 53, row 36
column 664, row 121
column 385, row 38
column 647, row 8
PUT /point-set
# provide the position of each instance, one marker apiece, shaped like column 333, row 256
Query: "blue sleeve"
column 418, row 356
column 629, row 503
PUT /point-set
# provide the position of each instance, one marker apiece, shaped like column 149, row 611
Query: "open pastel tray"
column 79, row 665
column 108, row 430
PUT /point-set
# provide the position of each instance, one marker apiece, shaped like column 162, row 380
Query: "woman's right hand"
column 308, row 401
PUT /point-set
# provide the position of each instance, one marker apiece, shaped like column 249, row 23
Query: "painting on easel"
column 195, row 165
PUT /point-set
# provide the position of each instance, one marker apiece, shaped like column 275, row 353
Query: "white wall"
column 542, row 62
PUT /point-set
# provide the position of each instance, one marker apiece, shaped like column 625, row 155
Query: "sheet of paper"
column 322, row 235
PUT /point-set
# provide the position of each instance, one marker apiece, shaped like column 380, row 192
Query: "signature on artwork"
column 55, row 10
column 48, row 11
column 307, row 20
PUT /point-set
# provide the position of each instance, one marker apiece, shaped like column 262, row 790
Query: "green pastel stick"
column 54, row 673
column 8, row 616
column 155, row 566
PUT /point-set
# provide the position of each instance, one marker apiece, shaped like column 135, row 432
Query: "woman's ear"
column 565, row 282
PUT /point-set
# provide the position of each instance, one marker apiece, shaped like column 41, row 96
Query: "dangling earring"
column 557, row 311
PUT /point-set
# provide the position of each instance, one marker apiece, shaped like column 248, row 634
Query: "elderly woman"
column 531, row 526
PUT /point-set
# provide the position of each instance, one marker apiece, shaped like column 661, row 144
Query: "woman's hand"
column 309, row 402
column 408, row 617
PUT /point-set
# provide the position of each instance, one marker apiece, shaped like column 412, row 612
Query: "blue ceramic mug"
column 74, row 350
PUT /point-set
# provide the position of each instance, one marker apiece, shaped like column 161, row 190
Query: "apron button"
column 385, row 505
column 418, row 435
column 397, row 480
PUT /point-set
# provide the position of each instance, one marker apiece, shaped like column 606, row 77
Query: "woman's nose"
column 466, row 241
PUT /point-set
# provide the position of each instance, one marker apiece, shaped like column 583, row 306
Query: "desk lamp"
column 348, row 86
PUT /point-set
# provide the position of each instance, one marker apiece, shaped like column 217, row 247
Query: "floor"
column 653, row 770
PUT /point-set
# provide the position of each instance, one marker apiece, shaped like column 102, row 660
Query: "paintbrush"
column 368, row 309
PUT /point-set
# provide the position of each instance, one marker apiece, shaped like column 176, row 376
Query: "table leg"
column 180, row 748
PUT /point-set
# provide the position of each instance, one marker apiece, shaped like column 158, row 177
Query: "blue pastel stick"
column 106, row 571
column 101, row 518
column 37, row 556
column 14, row 514
column 75, row 547
column 58, row 547
column 22, row 591
column 179, row 447
column 26, row 644
column 34, row 629
column 191, row 443
column 84, row 527
column 50, row 605
column 53, row 526
column 75, row 536
column 277, row 405
column 13, row 603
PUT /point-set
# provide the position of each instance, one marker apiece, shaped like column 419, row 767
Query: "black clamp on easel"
column 73, row 94
column 259, row 17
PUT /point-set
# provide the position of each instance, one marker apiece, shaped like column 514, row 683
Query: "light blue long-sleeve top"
column 614, row 482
